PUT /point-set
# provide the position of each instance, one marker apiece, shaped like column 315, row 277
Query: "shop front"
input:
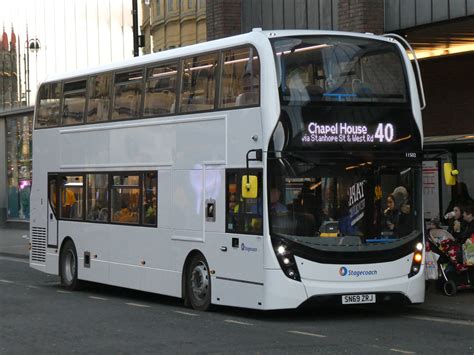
column 440, row 198
column 18, row 146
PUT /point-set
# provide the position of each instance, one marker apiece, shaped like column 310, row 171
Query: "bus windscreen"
column 339, row 69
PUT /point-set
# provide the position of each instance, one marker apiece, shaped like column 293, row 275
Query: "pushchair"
column 454, row 274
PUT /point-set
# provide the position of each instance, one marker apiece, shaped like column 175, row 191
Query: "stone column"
column 223, row 18
column 361, row 16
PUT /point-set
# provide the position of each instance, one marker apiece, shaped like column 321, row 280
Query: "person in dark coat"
column 468, row 216
column 460, row 197
column 456, row 222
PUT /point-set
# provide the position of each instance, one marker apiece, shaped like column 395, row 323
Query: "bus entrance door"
column 237, row 254
column 53, row 185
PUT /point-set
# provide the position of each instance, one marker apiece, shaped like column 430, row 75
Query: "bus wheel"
column 68, row 267
column 198, row 283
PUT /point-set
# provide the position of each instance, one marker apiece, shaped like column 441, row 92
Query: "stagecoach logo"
column 343, row 271
column 243, row 247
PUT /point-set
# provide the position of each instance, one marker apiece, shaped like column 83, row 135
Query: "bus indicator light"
column 418, row 257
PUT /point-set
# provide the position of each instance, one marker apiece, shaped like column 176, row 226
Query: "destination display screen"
column 345, row 132
column 350, row 128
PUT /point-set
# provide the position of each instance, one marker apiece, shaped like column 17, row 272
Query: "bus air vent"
column 38, row 244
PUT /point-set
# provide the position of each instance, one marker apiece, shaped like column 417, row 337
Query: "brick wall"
column 449, row 95
column 223, row 18
column 361, row 16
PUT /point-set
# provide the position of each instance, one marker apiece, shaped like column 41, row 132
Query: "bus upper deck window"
column 198, row 83
column 74, row 102
column 127, row 94
column 160, row 91
column 240, row 80
column 49, row 105
column 98, row 106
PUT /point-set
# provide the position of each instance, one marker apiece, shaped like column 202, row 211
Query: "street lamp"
column 31, row 45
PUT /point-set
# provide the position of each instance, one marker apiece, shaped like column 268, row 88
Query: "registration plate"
column 358, row 299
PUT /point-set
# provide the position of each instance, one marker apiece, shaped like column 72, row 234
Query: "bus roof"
column 254, row 37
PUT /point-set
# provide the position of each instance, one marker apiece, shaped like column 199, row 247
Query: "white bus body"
column 192, row 153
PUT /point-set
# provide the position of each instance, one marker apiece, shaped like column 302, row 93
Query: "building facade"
column 168, row 24
column 50, row 37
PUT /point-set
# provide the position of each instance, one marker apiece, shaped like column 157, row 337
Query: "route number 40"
column 384, row 133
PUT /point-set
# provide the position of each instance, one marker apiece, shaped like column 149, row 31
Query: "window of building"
column 170, row 5
column 74, row 102
column 49, row 105
column 243, row 215
column 125, row 199
column 97, row 197
column 150, row 188
column 158, row 7
column 160, row 91
column 190, row 4
column 198, row 83
column 71, row 197
column 240, row 80
column 19, row 165
column 127, row 94
column 98, row 107
column 201, row 3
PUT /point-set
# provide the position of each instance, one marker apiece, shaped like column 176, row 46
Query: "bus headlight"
column 281, row 250
column 287, row 262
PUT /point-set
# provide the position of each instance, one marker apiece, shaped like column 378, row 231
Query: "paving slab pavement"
column 14, row 242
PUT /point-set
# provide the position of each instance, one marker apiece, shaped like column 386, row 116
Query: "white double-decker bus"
column 264, row 170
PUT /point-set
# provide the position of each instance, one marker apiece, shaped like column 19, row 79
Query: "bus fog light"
column 286, row 261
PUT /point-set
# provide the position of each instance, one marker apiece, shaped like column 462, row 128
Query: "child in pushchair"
column 454, row 274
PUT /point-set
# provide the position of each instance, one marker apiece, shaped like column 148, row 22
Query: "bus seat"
column 247, row 98
column 315, row 91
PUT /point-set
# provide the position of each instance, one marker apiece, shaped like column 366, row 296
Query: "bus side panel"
column 92, row 238
column 236, row 266
column 200, row 142
column 132, row 252
column 281, row 292
column 237, row 294
column 52, row 262
column 159, row 273
column 416, row 286
column 41, row 257
column 187, row 204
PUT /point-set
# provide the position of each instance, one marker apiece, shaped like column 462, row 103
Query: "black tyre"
column 68, row 267
column 450, row 288
column 198, row 284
